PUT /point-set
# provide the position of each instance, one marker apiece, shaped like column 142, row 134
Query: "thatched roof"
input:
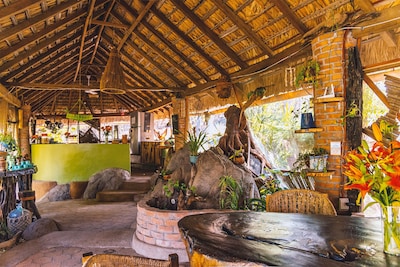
column 53, row 52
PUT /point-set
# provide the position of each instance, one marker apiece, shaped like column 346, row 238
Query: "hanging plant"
column 308, row 74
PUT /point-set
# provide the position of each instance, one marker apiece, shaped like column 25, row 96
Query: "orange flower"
column 364, row 188
column 375, row 171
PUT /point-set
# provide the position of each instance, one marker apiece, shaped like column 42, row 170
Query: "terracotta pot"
column 239, row 160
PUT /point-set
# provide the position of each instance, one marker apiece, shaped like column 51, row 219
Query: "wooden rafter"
column 85, row 29
column 290, row 15
column 139, row 18
column 163, row 55
column 189, row 42
column 213, row 37
column 100, row 33
column 384, row 24
column 244, row 27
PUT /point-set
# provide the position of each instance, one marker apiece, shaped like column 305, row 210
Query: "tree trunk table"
column 283, row 239
column 9, row 187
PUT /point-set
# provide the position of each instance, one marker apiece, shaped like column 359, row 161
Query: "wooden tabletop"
column 285, row 239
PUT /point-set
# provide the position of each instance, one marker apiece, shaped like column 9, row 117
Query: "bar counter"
column 65, row 163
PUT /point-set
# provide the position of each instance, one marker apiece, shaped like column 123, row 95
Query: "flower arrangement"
column 106, row 130
column 376, row 171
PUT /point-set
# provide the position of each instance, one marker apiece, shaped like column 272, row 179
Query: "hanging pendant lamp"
column 112, row 81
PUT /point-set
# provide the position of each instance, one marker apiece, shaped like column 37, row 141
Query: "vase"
column 307, row 121
column 106, row 139
column 193, row 159
column 390, row 217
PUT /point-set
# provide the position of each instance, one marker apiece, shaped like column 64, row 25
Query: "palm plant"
column 196, row 141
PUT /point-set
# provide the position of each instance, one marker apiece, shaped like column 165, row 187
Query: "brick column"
column 328, row 50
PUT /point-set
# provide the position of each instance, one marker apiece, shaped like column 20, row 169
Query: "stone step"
column 120, row 196
column 136, row 185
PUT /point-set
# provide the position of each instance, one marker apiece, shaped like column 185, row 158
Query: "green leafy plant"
column 8, row 142
column 174, row 185
column 308, row 73
column 303, row 160
column 271, row 184
column 352, row 112
column 231, row 193
column 196, row 141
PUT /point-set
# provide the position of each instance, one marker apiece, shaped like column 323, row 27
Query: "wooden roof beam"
column 139, row 18
column 25, row 54
column 85, row 29
column 162, row 54
column 182, row 56
column 39, row 58
column 17, row 7
column 245, row 28
column 7, row 33
column 213, row 37
column 384, row 24
column 189, row 42
column 41, row 34
column 8, row 97
column 290, row 15
column 101, row 30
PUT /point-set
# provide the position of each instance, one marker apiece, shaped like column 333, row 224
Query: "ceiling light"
column 112, row 81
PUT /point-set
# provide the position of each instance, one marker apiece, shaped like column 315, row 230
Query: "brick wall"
column 160, row 227
column 328, row 51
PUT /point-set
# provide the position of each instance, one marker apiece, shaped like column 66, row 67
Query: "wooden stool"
column 28, row 201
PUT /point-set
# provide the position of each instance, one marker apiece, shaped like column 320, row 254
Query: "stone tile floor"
column 87, row 226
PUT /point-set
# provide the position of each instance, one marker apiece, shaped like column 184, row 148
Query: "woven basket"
column 20, row 223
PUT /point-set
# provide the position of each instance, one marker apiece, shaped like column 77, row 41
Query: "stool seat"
column 28, row 201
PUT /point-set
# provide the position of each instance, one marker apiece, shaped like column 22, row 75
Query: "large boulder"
column 58, row 193
column 40, row 228
column 205, row 176
column 108, row 179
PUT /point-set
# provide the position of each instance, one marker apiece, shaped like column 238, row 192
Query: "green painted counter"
column 65, row 163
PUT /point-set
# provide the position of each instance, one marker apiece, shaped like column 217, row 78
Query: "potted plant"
column 308, row 74
column 315, row 160
column 195, row 142
column 237, row 157
column 318, row 159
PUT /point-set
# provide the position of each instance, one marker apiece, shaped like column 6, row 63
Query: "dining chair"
column 300, row 201
column 111, row 260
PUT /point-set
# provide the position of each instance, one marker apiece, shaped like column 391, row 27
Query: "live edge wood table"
column 8, row 190
column 283, row 239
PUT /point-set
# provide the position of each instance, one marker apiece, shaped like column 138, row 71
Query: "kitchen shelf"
column 328, row 99
column 309, row 130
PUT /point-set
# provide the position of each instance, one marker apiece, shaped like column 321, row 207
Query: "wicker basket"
column 20, row 223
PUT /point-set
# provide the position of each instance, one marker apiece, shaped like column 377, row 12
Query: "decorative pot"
column 239, row 160
column 307, row 121
column 391, row 229
column 193, row 159
column 318, row 163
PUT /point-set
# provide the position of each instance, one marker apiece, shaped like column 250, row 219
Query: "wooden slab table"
column 283, row 239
